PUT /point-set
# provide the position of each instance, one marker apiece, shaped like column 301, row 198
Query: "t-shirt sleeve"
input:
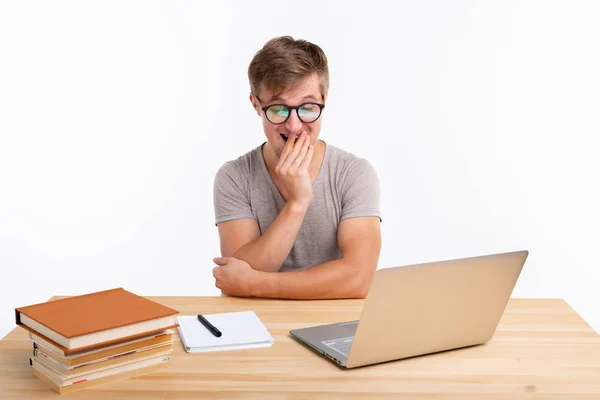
column 360, row 192
column 230, row 194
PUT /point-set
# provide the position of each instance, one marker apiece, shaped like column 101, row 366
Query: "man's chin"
column 277, row 149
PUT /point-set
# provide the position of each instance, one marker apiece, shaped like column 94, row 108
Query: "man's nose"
column 293, row 123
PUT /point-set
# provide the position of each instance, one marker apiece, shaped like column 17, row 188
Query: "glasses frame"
column 291, row 108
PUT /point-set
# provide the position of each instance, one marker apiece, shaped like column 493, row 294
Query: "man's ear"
column 255, row 104
column 325, row 97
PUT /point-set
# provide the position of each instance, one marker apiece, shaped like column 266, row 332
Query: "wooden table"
column 542, row 350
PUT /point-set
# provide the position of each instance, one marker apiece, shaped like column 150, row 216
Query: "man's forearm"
column 332, row 280
column 268, row 252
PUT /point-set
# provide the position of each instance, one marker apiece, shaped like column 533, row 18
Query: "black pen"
column 209, row 326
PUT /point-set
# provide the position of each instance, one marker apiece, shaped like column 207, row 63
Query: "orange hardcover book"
column 81, row 323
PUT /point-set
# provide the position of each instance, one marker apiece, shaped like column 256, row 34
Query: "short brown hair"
column 284, row 62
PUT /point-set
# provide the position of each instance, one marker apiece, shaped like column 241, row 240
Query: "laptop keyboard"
column 341, row 345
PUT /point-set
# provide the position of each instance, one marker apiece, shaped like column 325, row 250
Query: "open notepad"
column 240, row 330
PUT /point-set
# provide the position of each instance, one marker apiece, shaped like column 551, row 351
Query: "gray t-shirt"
column 346, row 187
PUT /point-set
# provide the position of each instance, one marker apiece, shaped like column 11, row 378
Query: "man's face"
column 307, row 91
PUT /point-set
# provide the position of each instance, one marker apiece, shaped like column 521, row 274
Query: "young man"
column 297, row 217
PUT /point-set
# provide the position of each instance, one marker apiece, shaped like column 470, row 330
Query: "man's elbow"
column 360, row 292
column 361, row 284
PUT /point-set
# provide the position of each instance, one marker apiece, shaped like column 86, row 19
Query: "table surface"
column 541, row 350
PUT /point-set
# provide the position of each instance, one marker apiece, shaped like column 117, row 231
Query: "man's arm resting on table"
column 349, row 277
column 241, row 238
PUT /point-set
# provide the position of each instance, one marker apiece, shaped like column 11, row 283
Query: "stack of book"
column 101, row 337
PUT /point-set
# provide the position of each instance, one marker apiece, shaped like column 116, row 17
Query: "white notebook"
column 239, row 330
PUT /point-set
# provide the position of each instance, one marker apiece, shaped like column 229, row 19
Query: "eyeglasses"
column 277, row 114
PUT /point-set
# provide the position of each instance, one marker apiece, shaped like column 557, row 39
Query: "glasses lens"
column 309, row 112
column 277, row 114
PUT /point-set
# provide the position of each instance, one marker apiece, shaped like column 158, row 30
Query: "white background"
column 480, row 117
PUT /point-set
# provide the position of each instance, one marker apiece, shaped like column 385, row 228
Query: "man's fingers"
column 286, row 150
column 295, row 151
column 303, row 152
column 221, row 260
column 308, row 158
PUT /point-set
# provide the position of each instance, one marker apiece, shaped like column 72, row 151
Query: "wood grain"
column 542, row 350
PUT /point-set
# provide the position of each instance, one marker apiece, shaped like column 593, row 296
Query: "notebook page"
column 239, row 329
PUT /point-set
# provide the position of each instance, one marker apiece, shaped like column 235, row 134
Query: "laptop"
column 422, row 309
